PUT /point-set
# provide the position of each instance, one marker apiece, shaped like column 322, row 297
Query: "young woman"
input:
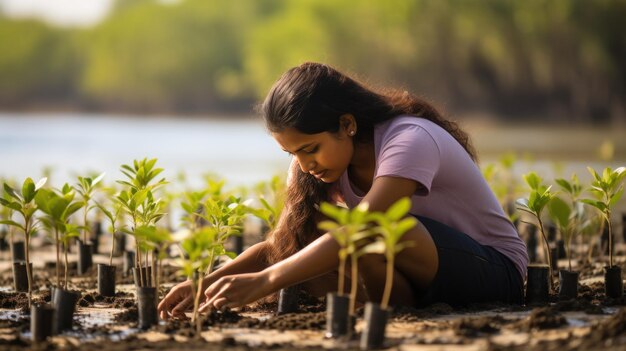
column 351, row 144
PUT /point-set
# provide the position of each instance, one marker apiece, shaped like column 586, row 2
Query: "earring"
column 351, row 133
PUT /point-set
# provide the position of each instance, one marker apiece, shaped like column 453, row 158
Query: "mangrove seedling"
column 58, row 207
column 24, row 204
column 85, row 188
column 139, row 203
column 607, row 190
column 349, row 227
column 535, row 204
column 200, row 248
column 391, row 226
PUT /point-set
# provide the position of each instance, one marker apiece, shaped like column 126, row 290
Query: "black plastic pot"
column 373, row 336
column 568, row 280
column 551, row 232
column 106, row 280
column 146, row 274
column 531, row 243
column 613, row 285
column 4, row 244
column 42, row 321
column 554, row 259
column 19, row 251
column 20, row 276
column 288, row 300
column 560, row 244
column 85, row 257
column 120, row 244
column 338, row 323
column 129, row 262
column 65, row 305
column 537, row 284
column 95, row 242
column 146, row 298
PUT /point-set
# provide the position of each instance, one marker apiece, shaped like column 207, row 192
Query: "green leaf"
column 41, row 183
column 565, row 185
column 533, row 180
column 9, row 190
column 330, row 210
column 98, row 179
column 13, row 223
column 615, row 198
column 328, row 226
column 399, row 209
column 28, row 190
column 560, row 212
column 377, row 247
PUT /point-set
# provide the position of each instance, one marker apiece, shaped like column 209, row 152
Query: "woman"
column 352, row 144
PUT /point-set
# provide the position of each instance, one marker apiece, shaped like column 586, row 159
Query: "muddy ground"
column 591, row 322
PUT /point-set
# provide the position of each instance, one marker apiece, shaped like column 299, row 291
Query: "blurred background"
column 86, row 85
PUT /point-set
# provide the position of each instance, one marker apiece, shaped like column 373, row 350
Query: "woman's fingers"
column 179, row 310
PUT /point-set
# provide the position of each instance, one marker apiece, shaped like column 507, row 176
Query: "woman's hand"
column 178, row 300
column 237, row 290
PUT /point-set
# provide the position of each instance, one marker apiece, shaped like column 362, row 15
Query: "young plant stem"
column 354, row 279
column 342, row 274
column 569, row 252
column 146, row 259
column 547, row 251
column 85, row 229
column 154, row 273
column 65, row 247
column 608, row 222
column 112, row 248
column 29, row 274
column 196, row 306
column 388, row 282
column 58, row 268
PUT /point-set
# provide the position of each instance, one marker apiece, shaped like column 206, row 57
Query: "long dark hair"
column 310, row 98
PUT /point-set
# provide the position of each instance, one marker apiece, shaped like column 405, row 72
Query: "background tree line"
column 558, row 59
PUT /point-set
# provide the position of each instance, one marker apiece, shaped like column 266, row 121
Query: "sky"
column 67, row 13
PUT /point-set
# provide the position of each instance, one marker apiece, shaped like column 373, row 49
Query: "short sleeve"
column 409, row 151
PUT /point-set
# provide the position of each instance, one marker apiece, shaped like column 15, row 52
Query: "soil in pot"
column 146, row 298
column 373, row 336
column 288, row 300
column 65, row 305
column 568, row 281
column 20, row 276
column 537, row 284
column 42, row 322
column 106, row 280
column 85, row 257
column 337, row 320
column 613, row 282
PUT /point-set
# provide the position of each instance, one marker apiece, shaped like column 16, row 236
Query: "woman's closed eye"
column 312, row 150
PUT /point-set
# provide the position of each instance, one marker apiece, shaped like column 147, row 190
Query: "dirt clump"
column 478, row 326
column 542, row 318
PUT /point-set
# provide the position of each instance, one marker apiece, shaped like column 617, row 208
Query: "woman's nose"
column 306, row 165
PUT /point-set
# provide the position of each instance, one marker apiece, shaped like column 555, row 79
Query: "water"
column 71, row 144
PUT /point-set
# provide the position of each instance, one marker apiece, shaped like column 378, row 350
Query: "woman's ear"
column 347, row 123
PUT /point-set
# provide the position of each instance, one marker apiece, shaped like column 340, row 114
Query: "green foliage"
column 607, row 189
column 272, row 197
column 22, row 203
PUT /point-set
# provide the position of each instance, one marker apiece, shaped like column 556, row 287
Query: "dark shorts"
column 468, row 271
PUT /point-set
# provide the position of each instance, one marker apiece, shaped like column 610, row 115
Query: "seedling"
column 58, row 207
column 272, row 198
column 392, row 225
column 607, row 189
column 139, row 203
column 24, row 204
column 567, row 217
column 85, row 188
column 200, row 248
column 350, row 229
column 539, row 197
column 113, row 217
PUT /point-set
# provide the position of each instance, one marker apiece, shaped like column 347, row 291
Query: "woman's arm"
column 318, row 258
column 180, row 298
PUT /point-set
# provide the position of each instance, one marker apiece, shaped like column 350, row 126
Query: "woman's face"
column 324, row 155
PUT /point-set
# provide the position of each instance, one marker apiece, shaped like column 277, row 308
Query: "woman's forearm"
column 254, row 259
column 318, row 258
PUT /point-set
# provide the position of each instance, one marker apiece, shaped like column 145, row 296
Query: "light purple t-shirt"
column 454, row 191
